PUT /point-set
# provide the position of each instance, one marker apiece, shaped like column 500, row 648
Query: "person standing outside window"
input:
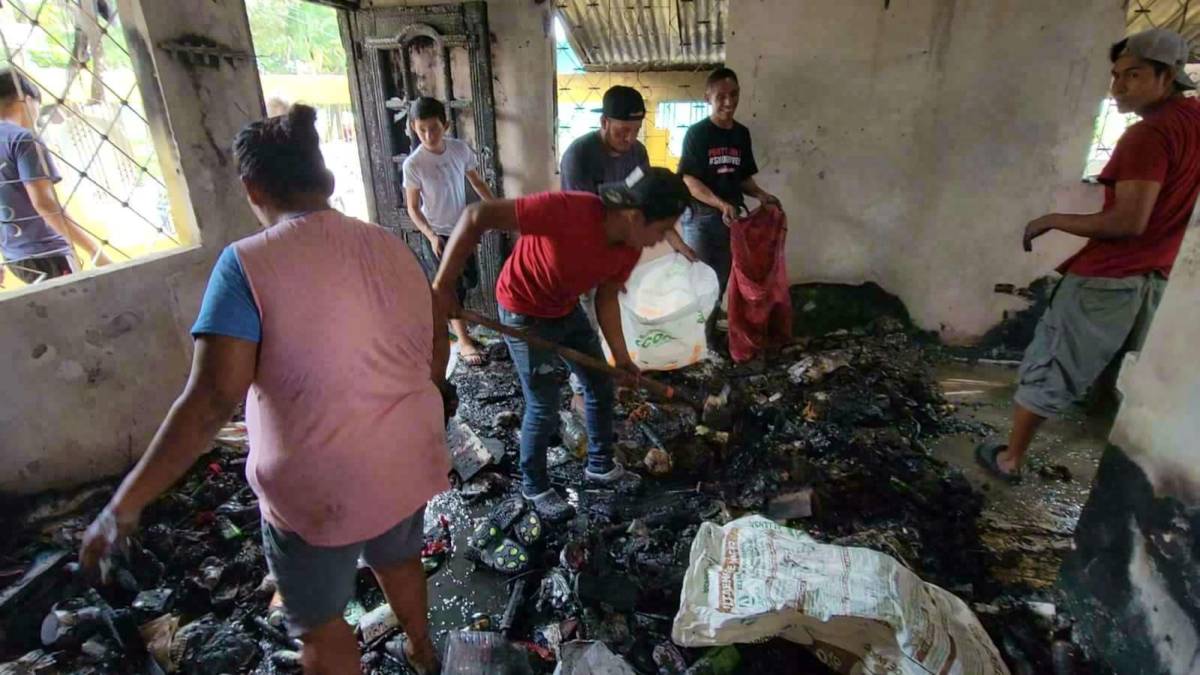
column 718, row 166
column 36, row 235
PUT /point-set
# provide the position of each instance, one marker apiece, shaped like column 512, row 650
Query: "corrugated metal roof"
column 1178, row 15
column 645, row 34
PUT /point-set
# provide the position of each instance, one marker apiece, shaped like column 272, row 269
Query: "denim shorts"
column 316, row 582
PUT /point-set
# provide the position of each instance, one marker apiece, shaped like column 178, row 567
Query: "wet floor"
column 1027, row 527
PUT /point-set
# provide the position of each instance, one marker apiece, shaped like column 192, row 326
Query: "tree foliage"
column 296, row 37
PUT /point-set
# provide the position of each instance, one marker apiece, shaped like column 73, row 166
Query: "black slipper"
column 488, row 546
column 985, row 455
column 507, row 512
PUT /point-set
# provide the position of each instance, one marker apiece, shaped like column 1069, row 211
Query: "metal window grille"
column 1110, row 124
column 91, row 125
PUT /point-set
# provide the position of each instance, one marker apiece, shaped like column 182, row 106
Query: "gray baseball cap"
column 1164, row 46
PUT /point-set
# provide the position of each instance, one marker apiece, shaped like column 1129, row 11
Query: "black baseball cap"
column 624, row 104
column 659, row 193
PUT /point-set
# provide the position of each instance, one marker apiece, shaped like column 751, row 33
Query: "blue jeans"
column 541, row 386
column 706, row 233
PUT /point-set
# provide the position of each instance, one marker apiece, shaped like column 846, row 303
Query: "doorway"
column 400, row 54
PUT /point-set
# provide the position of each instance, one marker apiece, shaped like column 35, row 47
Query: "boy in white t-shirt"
column 436, row 195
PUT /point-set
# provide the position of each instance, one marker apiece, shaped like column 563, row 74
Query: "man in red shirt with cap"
column 1111, row 287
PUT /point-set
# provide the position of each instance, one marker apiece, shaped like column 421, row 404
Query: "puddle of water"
column 459, row 589
column 1027, row 527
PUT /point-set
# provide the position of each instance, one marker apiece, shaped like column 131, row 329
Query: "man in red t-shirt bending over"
column 570, row 243
column 1111, row 287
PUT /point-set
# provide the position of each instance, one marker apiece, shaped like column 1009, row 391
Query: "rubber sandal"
column 489, row 547
column 485, row 534
column 528, row 529
column 507, row 512
column 985, row 455
column 550, row 506
column 617, row 478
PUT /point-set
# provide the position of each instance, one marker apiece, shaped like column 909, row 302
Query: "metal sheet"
column 645, row 34
column 1178, row 15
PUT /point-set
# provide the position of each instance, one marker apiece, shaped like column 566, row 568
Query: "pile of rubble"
column 830, row 436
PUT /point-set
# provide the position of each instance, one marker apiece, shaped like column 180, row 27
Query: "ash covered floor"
column 872, row 429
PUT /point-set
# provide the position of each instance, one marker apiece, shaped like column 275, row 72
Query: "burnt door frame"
column 373, row 37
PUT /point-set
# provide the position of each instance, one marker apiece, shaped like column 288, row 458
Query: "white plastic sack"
column 663, row 310
column 857, row 610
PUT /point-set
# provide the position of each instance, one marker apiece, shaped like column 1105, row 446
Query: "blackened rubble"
column 833, row 433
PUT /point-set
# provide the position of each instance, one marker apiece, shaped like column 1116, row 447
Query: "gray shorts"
column 316, row 582
column 1090, row 322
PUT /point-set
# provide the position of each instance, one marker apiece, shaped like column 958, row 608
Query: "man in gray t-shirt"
column 608, row 155
column 612, row 152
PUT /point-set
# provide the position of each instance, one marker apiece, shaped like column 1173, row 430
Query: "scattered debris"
column 797, row 504
column 813, row 369
column 591, row 658
column 658, row 462
column 377, row 624
column 832, row 433
column 506, row 419
column 1055, row 472
column 468, row 451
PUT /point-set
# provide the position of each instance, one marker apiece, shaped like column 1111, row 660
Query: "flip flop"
column 474, row 358
column 985, row 455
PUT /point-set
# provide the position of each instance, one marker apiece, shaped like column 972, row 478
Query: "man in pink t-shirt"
column 329, row 325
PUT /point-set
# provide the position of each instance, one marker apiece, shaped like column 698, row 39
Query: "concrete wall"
column 911, row 143
column 523, row 84
column 93, row 362
column 1134, row 576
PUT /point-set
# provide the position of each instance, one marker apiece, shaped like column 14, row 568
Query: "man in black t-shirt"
column 718, row 167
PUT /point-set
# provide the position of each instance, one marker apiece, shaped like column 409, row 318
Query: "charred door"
column 400, row 54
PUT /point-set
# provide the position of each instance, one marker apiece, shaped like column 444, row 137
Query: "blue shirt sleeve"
column 228, row 308
column 33, row 159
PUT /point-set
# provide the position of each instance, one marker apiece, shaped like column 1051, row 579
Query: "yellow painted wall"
column 586, row 90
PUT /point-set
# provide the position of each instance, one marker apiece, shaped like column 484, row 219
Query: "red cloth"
column 760, row 310
column 1163, row 148
column 562, row 252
